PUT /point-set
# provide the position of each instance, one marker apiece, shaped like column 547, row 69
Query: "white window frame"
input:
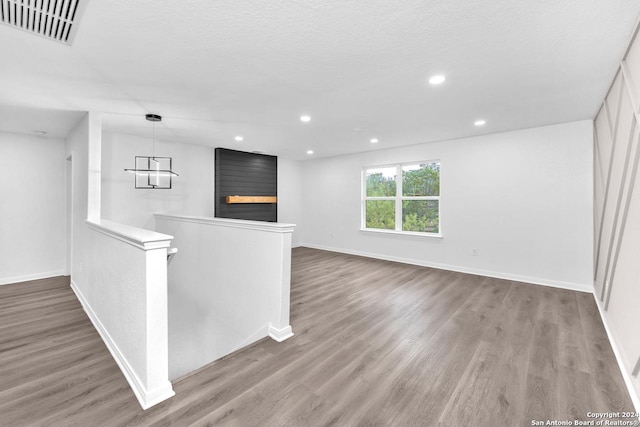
column 398, row 198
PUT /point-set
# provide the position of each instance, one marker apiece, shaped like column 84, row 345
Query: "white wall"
column 32, row 207
column 192, row 192
column 290, row 195
column 523, row 199
column 216, row 304
column 119, row 277
column 617, row 215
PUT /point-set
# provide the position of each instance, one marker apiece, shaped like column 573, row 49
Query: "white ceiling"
column 54, row 123
column 359, row 68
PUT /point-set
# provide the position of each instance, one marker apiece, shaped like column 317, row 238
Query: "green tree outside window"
column 410, row 204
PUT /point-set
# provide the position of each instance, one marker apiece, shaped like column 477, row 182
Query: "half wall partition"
column 229, row 286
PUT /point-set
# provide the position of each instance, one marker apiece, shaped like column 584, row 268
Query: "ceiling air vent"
column 53, row 19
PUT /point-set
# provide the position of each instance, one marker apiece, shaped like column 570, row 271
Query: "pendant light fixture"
column 153, row 172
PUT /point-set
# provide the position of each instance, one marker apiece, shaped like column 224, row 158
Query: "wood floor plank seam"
column 376, row 343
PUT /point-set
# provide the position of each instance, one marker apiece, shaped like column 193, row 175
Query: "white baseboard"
column 28, row 277
column 146, row 398
column 498, row 275
column 628, row 380
column 280, row 334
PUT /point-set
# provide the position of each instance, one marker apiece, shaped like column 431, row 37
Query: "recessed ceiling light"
column 309, row 152
column 436, row 80
column 479, row 122
column 305, row 119
column 374, row 140
column 238, row 138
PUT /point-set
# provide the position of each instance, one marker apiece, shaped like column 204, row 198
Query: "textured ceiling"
column 359, row 68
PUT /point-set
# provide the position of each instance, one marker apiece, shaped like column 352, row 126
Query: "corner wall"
column 617, row 215
column 290, row 196
column 216, row 304
column 119, row 274
column 33, row 207
column 523, row 199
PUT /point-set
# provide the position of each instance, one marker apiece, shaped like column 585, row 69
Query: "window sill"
column 402, row 233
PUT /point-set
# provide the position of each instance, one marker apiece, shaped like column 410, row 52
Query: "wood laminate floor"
column 377, row 343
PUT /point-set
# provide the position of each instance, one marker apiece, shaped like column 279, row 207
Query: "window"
column 402, row 198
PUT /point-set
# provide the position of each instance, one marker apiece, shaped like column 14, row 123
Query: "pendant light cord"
column 153, row 149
